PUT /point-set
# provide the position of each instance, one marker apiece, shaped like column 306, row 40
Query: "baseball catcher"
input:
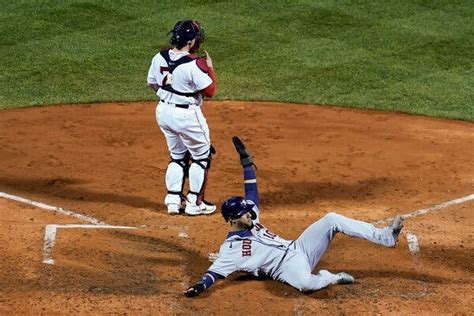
column 251, row 247
column 181, row 80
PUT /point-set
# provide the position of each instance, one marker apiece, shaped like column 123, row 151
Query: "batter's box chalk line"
column 51, row 229
column 50, row 236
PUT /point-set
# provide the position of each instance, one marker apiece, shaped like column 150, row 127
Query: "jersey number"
column 266, row 233
column 269, row 234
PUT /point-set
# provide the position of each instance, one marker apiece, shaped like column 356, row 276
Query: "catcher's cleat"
column 205, row 208
column 345, row 278
column 396, row 227
column 173, row 209
column 245, row 159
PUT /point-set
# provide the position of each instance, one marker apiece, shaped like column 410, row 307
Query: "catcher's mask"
column 236, row 206
column 184, row 32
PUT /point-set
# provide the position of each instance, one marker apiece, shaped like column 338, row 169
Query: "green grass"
column 407, row 55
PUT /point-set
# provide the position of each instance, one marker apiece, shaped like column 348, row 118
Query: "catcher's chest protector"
column 172, row 65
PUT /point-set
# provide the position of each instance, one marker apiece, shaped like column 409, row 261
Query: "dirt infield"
column 108, row 162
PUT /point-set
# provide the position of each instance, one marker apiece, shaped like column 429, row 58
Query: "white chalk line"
column 51, row 229
column 424, row 211
column 412, row 239
column 50, row 237
column 54, row 209
column 94, row 223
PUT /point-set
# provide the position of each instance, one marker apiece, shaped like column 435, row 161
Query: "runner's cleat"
column 345, row 278
column 396, row 227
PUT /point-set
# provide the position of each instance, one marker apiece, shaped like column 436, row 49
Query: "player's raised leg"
column 315, row 240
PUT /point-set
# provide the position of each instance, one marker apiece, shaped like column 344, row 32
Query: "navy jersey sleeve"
column 250, row 184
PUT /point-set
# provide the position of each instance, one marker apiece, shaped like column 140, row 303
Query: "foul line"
column 412, row 239
column 51, row 208
column 424, row 211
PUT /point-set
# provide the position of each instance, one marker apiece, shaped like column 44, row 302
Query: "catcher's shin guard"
column 175, row 178
column 198, row 174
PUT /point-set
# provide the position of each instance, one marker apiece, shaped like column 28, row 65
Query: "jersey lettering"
column 163, row 69
column 246, row 247
column 258, row 226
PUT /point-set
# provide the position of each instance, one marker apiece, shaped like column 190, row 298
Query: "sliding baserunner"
column 251, row 247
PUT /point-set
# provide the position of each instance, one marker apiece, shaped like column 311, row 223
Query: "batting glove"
column 195, row 289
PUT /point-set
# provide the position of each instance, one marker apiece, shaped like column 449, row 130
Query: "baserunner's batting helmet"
column 184, row 32
column 236, row 206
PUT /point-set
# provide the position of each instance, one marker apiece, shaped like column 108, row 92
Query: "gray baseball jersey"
column 263, row 253
column 257, row 251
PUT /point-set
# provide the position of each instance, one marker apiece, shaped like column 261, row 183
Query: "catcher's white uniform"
column 185, row 128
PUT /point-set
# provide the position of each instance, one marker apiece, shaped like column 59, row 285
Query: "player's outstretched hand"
column 195, row 290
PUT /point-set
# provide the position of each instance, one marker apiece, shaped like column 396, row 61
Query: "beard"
column 249, row 226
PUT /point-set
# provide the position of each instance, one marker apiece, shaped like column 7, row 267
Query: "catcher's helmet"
column 236, row 206
column 185, row 31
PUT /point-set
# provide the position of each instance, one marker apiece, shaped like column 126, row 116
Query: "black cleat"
column 245, row 158
column 345, row 278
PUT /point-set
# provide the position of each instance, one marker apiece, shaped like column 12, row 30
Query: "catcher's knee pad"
column 176, row 175
column 198, row 173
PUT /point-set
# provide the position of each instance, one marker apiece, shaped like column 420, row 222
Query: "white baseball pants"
column 184, row 130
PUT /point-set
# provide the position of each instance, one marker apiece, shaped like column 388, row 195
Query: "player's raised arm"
column 250, row 178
